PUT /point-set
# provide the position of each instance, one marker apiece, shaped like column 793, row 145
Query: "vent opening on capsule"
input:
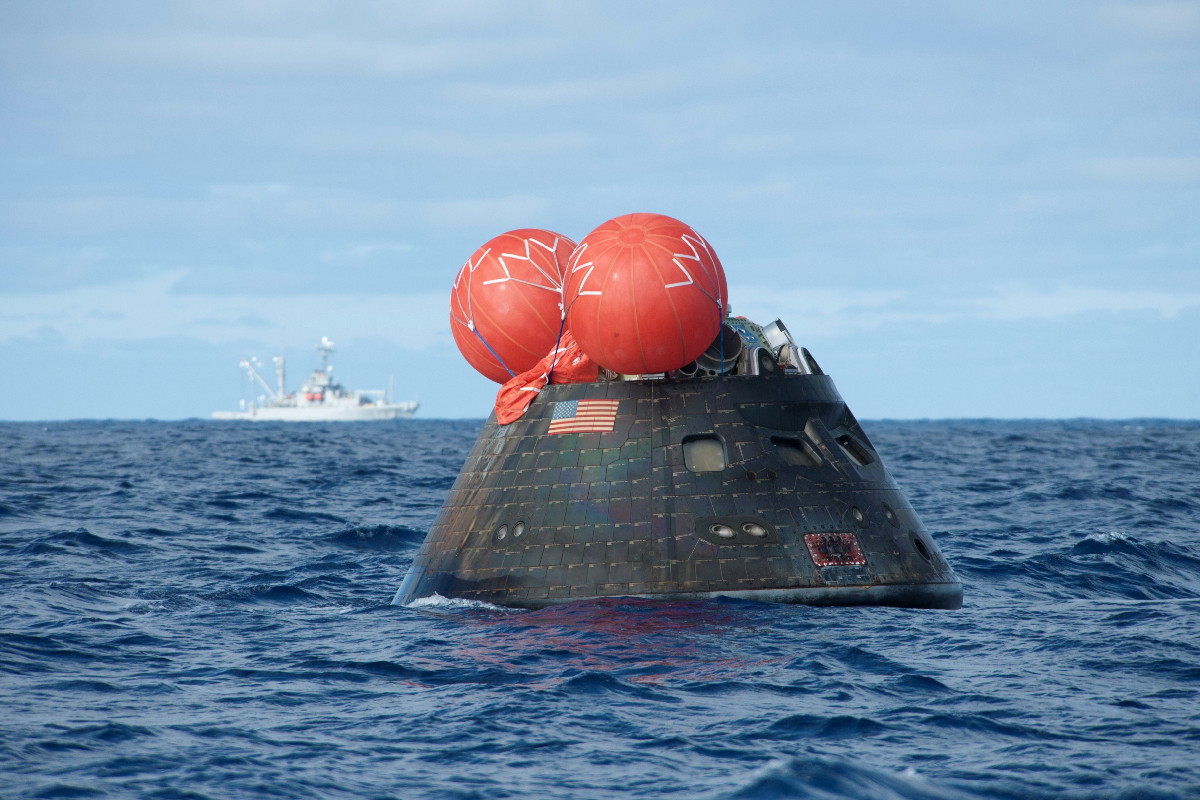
column 922, row 549
column 855, row 449
column 796, row 452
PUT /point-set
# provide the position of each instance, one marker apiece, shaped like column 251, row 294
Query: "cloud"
column 456, row 142
column 487, row 213
column 824, row 313
column 243, row 55
column 1011, row 303
column 1160, row 20
column 1144, row 169
column 832, row 313
column 364, row 251
column 151, row 308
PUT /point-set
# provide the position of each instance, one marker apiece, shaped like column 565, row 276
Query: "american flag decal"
column 583, row 416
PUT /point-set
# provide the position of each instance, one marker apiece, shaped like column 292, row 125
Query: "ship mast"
column 325, row 348
column 281, row 373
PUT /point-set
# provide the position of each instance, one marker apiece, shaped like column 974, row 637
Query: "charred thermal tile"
column 639, row 430
column 779, row 565
column 620, row 508
column 700, row 402
column 743, row 502
column 597, row 573
column 573, row 553
column 512, row 558
column 587, row 441
column 732, row 569
column 617, row 551
column 539, row 494
column 644, row 447
column 618, row 436
column 663, row 585
column 723, row 505
column 707, row 570
column 753, row 563
column 589, row 457
column 702, row 506
column 583, row 533
column 577, row 514
column 595, row 552
column 618, row 471
column 556, row 513
column 577, row 574
column 563, row 534
column 612, row 440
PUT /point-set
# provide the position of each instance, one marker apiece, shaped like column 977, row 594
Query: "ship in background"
column 320, row 399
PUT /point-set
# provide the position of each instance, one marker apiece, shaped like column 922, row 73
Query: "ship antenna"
column 325, row 348
column 281, row 373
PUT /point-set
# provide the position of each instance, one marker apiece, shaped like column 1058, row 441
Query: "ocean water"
column 203, row 610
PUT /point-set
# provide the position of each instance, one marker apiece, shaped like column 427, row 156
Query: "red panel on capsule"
column 834, row 549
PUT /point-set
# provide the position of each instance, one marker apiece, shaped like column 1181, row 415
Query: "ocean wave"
column 816, row 778
column 179, row 620
column 383, row 538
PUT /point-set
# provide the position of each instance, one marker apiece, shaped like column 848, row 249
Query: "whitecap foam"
column 1108, row 537
column 435, row 600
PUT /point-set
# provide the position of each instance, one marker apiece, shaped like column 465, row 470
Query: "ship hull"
column 319, row 414
column 755, row 487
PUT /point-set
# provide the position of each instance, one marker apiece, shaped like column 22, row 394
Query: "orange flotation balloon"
column 645, row 293
column 505, row 307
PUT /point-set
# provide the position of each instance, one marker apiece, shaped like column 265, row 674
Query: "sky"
column 963, row 209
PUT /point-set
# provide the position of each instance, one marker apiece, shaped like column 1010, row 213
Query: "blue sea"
column 203, row 610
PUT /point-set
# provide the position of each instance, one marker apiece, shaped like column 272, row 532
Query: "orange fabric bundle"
column 567, row 363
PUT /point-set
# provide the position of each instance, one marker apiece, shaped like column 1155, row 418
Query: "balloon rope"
column 554, row 358
column 475, row 331
column 721, row 336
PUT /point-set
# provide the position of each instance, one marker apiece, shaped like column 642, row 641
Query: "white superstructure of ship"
column 320, row 399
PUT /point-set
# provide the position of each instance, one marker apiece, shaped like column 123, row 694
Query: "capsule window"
column 704, row 453
column 796, row 452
